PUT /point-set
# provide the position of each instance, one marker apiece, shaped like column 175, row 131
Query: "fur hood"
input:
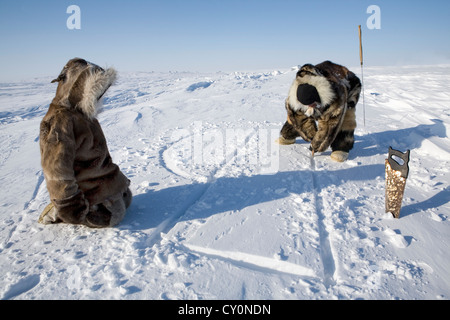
column 81, row 85
column 308, row 74
column 330, row 81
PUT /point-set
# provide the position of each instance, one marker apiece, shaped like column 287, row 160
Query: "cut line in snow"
column 258, row 261
column 326, row 253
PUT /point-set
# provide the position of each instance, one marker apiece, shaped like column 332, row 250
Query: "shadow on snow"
column 163, row 208
column 202, row 200
column 409, row 138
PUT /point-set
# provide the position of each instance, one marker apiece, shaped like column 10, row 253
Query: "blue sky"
column 218, row 35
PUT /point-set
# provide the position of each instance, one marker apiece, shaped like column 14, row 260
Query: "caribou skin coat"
column 84, row 185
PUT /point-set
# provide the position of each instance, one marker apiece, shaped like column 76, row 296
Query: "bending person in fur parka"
column 326, row 93
column 84, row 185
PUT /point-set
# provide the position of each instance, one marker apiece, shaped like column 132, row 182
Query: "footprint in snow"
column 23, row 285
column 396, row 238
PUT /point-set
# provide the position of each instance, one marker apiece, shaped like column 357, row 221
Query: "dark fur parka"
column 339, row 91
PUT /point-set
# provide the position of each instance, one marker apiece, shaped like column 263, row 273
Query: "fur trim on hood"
column 81, row 85
column 311, row 75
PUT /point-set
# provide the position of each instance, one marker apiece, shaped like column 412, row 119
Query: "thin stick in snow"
column 362, row 73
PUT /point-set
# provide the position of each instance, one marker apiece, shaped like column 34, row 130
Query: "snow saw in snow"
column 397, row 171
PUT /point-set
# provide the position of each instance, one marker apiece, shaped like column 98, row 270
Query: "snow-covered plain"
column 219, row 210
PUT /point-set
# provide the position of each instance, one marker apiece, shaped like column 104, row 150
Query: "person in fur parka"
column 85, row 186
column 326, row 93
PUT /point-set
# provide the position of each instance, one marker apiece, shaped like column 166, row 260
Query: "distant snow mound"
column 199, row 85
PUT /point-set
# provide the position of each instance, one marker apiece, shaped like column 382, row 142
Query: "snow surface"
column 220, row 211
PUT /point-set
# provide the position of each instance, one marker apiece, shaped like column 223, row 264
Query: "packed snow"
column 222, row 212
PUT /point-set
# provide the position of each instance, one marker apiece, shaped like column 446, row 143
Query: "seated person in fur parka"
column 84, row 185
column 326, row 93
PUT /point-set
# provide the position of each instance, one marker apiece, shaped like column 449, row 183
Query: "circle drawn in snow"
column 207, row 151
column 181, row 159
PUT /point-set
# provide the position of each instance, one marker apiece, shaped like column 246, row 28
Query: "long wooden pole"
column 362, row 72
column 360, row 46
